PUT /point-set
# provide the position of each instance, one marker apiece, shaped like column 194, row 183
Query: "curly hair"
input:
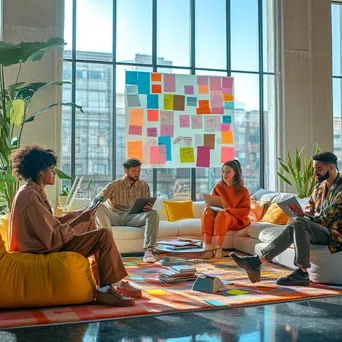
column 238, row 180
column 29, row 160
column 131, row 162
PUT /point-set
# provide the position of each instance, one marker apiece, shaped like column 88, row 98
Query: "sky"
column 134, row 35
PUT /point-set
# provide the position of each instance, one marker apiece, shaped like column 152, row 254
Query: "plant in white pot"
column 63, row 196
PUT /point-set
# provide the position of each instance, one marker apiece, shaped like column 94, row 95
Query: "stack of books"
column 181, row 243
column 178, row 274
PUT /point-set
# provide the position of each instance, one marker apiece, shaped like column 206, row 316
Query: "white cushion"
column 276, row 197
column 198, row 208
column 263, row 231
column 189, row 227
column 160, row 208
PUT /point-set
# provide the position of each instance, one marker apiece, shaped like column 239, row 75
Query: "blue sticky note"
column 167, row 142
column 214, row 302
column 227, row 119
column 191, row 101
column 229, row 105
column 143, row 82
column 131, row 77
column 336, row 287
column 226, row 282
column 136, row 277
column 152, row 101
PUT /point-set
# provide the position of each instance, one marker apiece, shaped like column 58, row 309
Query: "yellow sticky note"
column 136, row 116
column 227, row 137
column 228, row 97
column 168, row 101
column 267, row 286
column 135, row 150
column 18, row 107
column 237, row 292
column 187, row 155
column 155, row 292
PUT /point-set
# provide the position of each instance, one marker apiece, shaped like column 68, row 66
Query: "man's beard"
column 324, row 177
column 132, row 179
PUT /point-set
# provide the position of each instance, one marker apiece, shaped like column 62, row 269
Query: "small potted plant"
column 63, row 196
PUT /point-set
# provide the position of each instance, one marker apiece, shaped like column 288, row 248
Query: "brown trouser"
column 99, row 243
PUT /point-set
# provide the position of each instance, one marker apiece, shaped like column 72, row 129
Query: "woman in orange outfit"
column 234, row 216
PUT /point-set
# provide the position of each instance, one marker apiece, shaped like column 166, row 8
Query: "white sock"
column 118, row 283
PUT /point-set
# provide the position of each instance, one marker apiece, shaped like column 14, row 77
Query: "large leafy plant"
column 15, row 113
column 300, row 170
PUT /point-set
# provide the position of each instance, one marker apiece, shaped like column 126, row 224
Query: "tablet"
column 284, row 205
column 138, row 206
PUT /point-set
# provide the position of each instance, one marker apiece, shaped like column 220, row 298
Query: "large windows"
column 221, row 37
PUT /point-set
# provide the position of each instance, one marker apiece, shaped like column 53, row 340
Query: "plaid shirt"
column 325, row 207
column 121, row 194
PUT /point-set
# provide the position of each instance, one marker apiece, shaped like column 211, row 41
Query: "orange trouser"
column 217, row 222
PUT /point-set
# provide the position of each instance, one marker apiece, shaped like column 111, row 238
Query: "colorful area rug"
column 160, row 298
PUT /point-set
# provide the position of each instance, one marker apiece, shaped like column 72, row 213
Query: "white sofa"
column 250, row 240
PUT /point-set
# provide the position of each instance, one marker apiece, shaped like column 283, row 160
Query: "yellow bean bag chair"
column 28, row 280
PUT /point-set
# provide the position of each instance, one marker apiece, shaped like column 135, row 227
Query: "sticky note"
column 130, row 263
column 135, row 130
column 267, row 286
column 133, row 101
column 209, row 140
column 224, row 127
column 187, row 155
column 188, row 89
column 152, row 131
column 336, row 287
column 186, row 141
column 237, row 292
column 209, row 124
column 227, row 119
column 203, row 89
column 131, row 77
column 157, row 154
column 152, row 101
column 136, row 277
column 170, row 83
column 166, row 117
column 214, row 302
column 227, row 153
column 184, row 121
column 167, row 130
column 228, row 105
column 215, row 99
column 167, row 142
column 217, row 110
column 227, row 137
column 131, row 89
column 143, row 82
column 155, row 292
column 228, row 97
column 226, row 282
column 155, row 77
column 168, row 101
column 227, row 82
column 199, row 139
column 156, row 88
column 203, row 104
column 197, row 122
column 152, row 115
column 135, row 150
column 178, row 102
column 203, row 156
column 136, row 116
column 191, row 101
column 203, row 110
column 215, row 83
column 202, row 80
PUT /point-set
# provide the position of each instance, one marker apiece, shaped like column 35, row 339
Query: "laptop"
column 214, row 202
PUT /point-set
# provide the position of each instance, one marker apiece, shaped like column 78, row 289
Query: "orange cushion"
column 258, row 209
column 275, row 214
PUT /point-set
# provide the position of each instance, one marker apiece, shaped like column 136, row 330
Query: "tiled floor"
column 313, row 320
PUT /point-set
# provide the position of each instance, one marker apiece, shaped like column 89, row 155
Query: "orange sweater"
column 238, row 204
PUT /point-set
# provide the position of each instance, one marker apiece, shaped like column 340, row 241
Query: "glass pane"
column 244, row 35
column 247, row 128
column 134, row 30
column 206, row 178
column 175, row 14
column 173, row 184
column 211, row 34
column 68, row 28
column 174, row 71
column 337, row 109
column 268, row 30
column 93, row 128
column 336, row 11
column 94, row 36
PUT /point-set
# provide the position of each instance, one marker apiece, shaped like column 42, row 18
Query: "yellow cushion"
column 258, row 209
column 4, row 221
column 178, row 210
column 275, row 214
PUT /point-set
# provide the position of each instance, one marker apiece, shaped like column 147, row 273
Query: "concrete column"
column 38, row 20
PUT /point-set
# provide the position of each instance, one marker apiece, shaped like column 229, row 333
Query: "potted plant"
column 300, row 170
column 63, row 196
column 15, row 113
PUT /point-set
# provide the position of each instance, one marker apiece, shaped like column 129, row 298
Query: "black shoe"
column 250, row 263
column 296, row 278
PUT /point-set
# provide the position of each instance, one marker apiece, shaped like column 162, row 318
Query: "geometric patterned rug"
column 160, row 298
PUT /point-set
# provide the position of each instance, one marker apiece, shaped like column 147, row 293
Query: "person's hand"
column 296, row 210
column 148, row 207
column 87, row 214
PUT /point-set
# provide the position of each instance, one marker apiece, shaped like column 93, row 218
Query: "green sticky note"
column 130, row 263
column 214, row 302
column 237, row 292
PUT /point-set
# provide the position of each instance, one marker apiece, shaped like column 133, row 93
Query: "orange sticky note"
column 156, row 77
column 228, row 97
column 156, row 88
column 203, row 103
column 203, row 111
column 227, row 137
column 135, row 150
column 152, row 115
column 136, row 116
column 203, row 89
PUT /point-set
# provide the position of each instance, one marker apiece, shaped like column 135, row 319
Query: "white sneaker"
column 219, row 253
column 149, row 257
column 209, row 254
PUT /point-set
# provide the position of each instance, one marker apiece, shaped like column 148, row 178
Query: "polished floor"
column 309, row 320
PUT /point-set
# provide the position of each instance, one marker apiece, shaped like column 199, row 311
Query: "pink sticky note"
column 224, row 127
column 217, row 110
column 158, row 154
column 188, row 89
column 202, row 80
column 227, row 82
column 169, row 83
column 227, row 153
column 184, row 121
column 135, row 130
column 215, row 83
column 167, row 130
column 227, row 90
column 196, row 122
column 215, row 99
column 152, row 132
column 203, row 156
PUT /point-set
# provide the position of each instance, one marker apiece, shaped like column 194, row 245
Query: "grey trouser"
column 302, row 232
column 107, row 218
